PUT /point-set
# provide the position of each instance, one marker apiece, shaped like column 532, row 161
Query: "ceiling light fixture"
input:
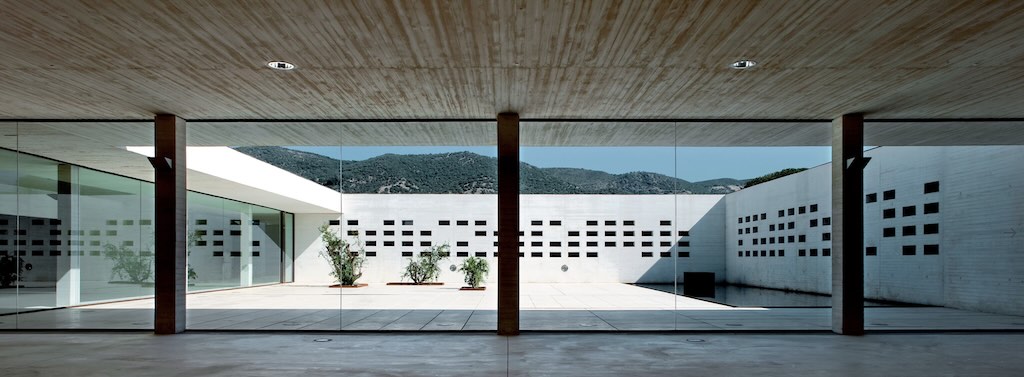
column 281, row 65
column 743, row 64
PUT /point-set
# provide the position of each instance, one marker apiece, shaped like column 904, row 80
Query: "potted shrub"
column 346, row 264
column 424, row 269
column 475, row 270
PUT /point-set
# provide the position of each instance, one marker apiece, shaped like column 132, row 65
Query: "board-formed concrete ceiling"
column 376, row 59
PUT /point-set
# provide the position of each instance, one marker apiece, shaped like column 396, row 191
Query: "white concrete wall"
column 891, row 275
column 979, row 265
column 790, row 271
column 981, row 207
column 310, row 266
column 701, row 215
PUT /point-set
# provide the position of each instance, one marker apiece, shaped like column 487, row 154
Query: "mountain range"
column 470, row 173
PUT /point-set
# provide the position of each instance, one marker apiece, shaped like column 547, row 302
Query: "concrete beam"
column 848, row 224
column 508, row 224
column 170, row 225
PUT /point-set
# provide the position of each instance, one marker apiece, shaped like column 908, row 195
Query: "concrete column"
column 245, row 246
column 170, row 225
column 508, row 224
column 69, row 276
column 287, row 248
column 227, row 265
column 848, row 224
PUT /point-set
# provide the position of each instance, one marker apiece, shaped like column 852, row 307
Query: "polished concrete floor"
column 533, row 354
column 575, row 307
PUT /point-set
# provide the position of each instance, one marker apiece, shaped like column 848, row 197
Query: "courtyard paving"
column 575, row 307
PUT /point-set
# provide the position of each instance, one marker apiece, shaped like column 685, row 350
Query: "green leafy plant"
column 11, row 270
column 129, row 265
column 193, row 237
column 476, row 270
column 424, row 268
column 346, row 264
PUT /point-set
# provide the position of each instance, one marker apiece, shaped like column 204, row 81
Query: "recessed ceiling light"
column 281, row 65
column 743, row 64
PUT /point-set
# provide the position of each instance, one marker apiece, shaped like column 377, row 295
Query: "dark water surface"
column 745, row 296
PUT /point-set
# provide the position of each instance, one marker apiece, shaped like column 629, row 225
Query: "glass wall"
column 599, row 228
column 10, row 272
column 941, row 228
column 72, row 235
column 77, row 237
column 776, row 237
column 267, row 230
column 233, row 244
column 634, row 229
column 117, row 250
column 423, row 218
column 382, row 220
column 32, row 229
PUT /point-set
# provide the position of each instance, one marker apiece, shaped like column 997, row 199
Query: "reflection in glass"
column 112, row 236
column 232, row 244
column 76, row 236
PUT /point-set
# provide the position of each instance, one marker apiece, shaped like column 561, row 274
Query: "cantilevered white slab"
column 222, row 171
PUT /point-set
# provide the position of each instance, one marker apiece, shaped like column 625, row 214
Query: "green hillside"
column 470, row 173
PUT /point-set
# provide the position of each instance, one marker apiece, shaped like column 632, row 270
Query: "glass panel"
column 237, row 242
column 117, row 260
column 37, row 217
column 232, row 244
column 266, row 245
column 79, row 230
column 9, row 271
column 941, row 231
column 897, row 269
column 422, row 217
column 260, row 205
column 598, row 227
column 211, row 242
column 776, row 263
column 304, row 182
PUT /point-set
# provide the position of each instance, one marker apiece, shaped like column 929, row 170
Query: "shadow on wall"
column 705, row 247
column 310, row 267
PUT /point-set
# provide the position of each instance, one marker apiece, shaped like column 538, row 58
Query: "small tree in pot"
column 424, row 268
column 346, row 264
column 476, row 270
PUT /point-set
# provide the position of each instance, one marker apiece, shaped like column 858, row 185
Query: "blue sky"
column 689, row 163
